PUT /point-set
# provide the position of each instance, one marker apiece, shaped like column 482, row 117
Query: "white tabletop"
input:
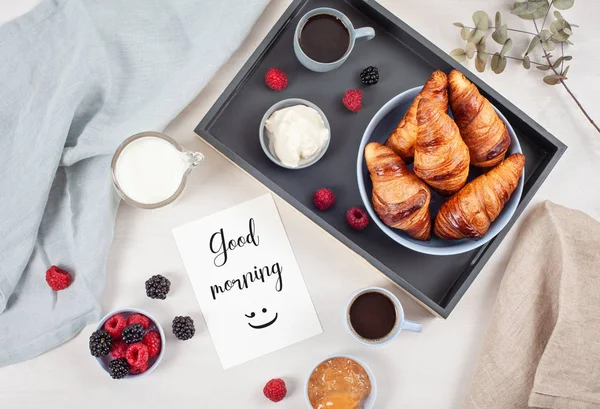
column 427, row 370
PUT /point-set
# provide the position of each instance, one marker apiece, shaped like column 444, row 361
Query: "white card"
column 247, row 281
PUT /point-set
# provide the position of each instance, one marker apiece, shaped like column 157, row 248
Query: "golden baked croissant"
column 470, row 212
column 480, row 127
column 441, row 156
column 400, row 198
column 402, row 140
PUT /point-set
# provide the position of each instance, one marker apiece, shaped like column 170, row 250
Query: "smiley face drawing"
column 261, row 326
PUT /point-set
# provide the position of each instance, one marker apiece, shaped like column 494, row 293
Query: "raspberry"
column 136, row 370
column 57, row 278
column 114, row 325
column 276, row 79
column 275, row 390
column 152, row 342
column 353, row 100
column 357, row 218
column 324, row 199
column 118, row 349
column 139, row 319
column 137, row 354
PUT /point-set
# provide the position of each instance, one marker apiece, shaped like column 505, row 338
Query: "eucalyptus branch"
column 509, row 29
column 559, row 32
column 562, row 82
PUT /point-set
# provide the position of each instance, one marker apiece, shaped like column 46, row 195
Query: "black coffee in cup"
column 324, row 38
column 372, row 316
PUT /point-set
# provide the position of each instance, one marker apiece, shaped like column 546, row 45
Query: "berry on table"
column 158, row 286
column 275, row 390
column 276, row 79
column 324, row 199
column 118, row 349
column 137, row 355
column 118, row 369
column 357, row 218
column 183, row 328
column 114, row 325
column 370, row 75
column 139, row 319
column 133, row 333
column 100, row 343
column 57, row 278
column 152, row 342
column 353, row 100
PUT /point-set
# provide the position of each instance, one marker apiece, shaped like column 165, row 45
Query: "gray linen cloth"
column 76, row 78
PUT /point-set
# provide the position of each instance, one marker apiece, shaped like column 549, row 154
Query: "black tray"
column 405, row 60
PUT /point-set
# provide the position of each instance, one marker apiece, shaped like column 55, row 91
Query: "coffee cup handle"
column 412, row 326
column 364, row 34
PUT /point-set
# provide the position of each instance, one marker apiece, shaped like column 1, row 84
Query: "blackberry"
column 100, row 343
column 133, row 333
column 369, row 76
column 119, row 368
column 183, row 328
column 158, row 286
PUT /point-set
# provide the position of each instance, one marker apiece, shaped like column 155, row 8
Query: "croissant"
column 402, row 140
column 470, row 212
column 441, row 156
column 480, row 127
column 400, row 198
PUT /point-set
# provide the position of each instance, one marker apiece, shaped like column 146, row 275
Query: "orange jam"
column 338, row 383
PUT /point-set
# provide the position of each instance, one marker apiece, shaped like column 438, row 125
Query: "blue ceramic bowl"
column 103, row 361
column 378, row 130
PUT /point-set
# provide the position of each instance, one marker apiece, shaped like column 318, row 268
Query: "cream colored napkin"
column 543, row 346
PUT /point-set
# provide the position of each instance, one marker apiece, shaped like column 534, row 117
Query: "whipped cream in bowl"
column 294, row 133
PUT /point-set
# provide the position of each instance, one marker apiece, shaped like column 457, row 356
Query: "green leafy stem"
column 556, row 37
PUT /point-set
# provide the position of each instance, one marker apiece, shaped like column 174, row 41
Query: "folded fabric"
column 78, row 77
column 543, row 346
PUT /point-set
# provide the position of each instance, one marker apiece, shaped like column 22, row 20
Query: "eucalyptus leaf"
column 569, row 42
column 526, row 62
column 458, row 54
column 495, row 61
column 470, row 50
column 568, row 57
column 500, row 34
column 573, row 25
column 564, row 73
column 557, row 62
column 563, row 4
column 557, row 14
column 558, row 28
column 480, row 46
column 534, row 43
column 498, row 63
column 481, row 61
column 475, row 36
column 464, row 33
column 459, row 25
column 542, row 67
column 481, row 20
column 498, row 19
column 506, row 47
column 546, row 38
column 553, row 79
column 531, row 9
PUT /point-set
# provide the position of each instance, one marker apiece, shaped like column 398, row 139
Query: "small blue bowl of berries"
column 128, row 343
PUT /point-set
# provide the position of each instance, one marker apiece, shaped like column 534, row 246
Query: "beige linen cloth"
column 543, row 346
